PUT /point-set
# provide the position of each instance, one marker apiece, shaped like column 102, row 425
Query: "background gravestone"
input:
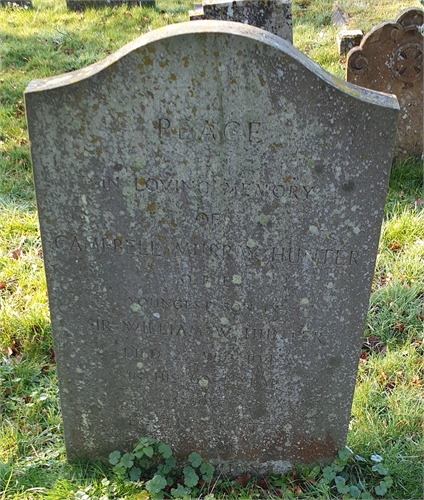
column 390, row 59
column 210, row 204
column 83, row 4
column 23, row 3
column 274, row 16
column 347, row 39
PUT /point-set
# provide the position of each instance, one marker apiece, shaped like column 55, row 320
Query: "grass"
column 388, row 408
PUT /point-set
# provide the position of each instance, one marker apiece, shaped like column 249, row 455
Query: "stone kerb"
column 210, row 202
column 390, row 59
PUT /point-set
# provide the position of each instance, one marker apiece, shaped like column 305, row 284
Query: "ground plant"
column 384, row 458
column 154, row 461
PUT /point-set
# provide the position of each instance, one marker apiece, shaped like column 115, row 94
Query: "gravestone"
column 339, row 18
column 83, row 4
column 210, row 202
column 274, row 16
column 347, row 39
column 390, row 59
column 20, row 3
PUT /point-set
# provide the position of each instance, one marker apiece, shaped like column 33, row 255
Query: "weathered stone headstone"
column 83, row 4
column 210, row 203
column 347, row 39
column 339, row 18
column 390, row 59
column 274, row 16
column 20, row 3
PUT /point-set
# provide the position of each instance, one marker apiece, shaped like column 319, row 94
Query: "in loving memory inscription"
column 210, row 204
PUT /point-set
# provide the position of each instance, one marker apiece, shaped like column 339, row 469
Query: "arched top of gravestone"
column 388, row 41
column 253, row 36
column 390, row 59
column 410, row 17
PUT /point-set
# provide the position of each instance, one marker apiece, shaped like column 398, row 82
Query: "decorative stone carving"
column 390, row 59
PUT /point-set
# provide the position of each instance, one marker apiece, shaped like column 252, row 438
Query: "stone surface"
column 339, row 18
column 210, row 203
column 274, row 16
column 21, row 3
column 83, row 4
column 347, row 39
column 390, row 59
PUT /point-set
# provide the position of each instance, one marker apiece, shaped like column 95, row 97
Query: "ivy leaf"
column 341, row 485
column 167, row 467
column 148, row 451
column 195, row 459
column 180, row 491
column 354, row 491
column 329, row 473
column 190, row 476
column 114, row 457
column 345, row 454
column 389, row 481
column 144, row 463
column 380, row 469
column 156, row 484
column 381, row 489
column 165, row 450
column 119, row 469
column 141, row 444
column 135, row 474
column 145, row 441
column 207, row 471
column 338, row 466
column 127, row 460
column 365, row 495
